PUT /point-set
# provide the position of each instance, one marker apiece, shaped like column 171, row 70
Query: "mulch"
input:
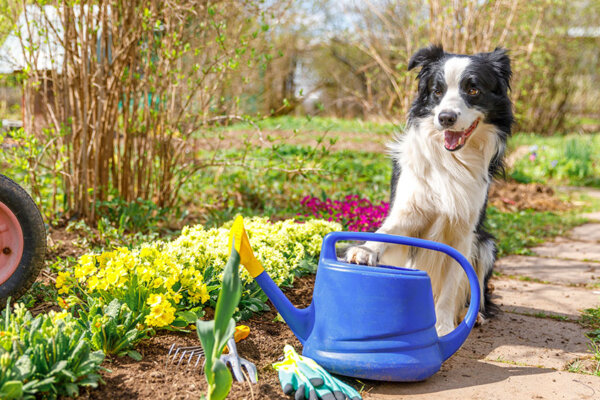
column 510, row 196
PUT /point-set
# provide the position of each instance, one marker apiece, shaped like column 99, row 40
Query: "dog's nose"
column 447, row 118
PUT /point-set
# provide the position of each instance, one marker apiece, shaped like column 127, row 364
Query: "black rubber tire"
column 34, row 238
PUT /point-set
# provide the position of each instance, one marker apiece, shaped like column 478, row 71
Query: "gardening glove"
column 307, row 380
column 239, row 238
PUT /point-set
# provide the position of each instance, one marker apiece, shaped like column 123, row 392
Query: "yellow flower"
column 62, row 282
column 162, row 313
column 62, row 303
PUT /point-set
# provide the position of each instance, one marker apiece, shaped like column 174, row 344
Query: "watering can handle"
column 452, row 341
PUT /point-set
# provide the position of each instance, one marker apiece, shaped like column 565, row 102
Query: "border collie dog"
column 443, row 166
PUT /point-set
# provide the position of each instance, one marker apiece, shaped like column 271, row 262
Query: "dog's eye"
column 437, row 92
column 473, row 92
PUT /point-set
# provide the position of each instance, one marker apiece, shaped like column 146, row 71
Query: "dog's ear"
column 426, row 55
column 500, row 62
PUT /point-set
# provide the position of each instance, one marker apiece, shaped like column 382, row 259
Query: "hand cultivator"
column 187, row 355
column 22, row 240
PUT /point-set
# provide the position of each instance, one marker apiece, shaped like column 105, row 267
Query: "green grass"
column 517, row 231
column 567, row 160
column 317, row 124
column 590, row 319
column 264, row 188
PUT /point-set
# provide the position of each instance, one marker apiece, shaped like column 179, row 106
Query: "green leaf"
column 222, row 381
column 113, row 308
column 204, row 329
column 180, row 323
column 58, row 367
column 135, row 355
column 229, row 297
column 188, row 316
column 24, row 365
column 11, row 390
column 72, row 389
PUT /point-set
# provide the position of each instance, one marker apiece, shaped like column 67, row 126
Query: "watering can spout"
column 300, row 321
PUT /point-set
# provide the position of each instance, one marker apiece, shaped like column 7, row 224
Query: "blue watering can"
column 373, row 322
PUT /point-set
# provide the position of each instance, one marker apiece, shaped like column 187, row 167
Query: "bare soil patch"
column 512, row 196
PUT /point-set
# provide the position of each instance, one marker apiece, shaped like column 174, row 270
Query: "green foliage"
column 590, row 318
column 38, row 163
column 130, row 216
column 214, row 334
column 268, row 188
column 39, row 292
column 46, row 356
column 113, row 327
column 571, row 160
column 517, row 231
column 316, row 124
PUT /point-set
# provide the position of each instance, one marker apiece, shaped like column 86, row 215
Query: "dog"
column 443, row 165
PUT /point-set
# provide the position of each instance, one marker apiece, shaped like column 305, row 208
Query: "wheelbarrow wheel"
column 22, row 240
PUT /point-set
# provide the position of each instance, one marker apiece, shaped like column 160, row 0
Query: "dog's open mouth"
column 454, row 140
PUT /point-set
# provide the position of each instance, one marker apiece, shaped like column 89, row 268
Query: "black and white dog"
column 443, row 166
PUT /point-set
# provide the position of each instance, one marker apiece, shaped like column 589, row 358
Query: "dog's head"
column 459, row 93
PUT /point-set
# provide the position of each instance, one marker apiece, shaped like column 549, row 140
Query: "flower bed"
column 354, row 213
column 170, row 282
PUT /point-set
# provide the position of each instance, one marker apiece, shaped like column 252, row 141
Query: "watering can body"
column 374, row 322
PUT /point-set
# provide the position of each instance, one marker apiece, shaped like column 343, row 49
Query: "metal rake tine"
column 169, row 355
column 199, row 354
column 250, row 368
column 191, row 351
column 182, row 355
column 175, row 351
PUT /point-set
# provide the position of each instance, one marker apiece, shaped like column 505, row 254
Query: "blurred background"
column 212, row 107
column 348, row 58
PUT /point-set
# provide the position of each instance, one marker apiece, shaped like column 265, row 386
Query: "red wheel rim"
column 11, row 243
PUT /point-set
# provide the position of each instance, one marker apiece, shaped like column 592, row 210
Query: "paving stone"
column 583, row 190
column 569, row 249
column 586, row 232
column 510, row 356
column 534, row 298
column 468, row 379
column 525, row 340
column 550, row 270
column 595, row 216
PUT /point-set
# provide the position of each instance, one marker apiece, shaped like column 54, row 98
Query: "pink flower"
column 353, row 213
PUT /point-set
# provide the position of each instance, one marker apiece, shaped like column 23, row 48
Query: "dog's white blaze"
column 452, row 100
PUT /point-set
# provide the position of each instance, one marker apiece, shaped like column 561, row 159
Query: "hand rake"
column 186, row 355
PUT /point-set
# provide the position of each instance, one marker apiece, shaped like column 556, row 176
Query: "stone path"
column 526, row 352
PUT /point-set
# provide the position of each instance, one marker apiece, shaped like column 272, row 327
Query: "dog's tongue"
column 451, row 139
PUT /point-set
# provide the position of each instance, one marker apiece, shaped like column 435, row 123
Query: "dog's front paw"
column 444, row 328
column 361, row 255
